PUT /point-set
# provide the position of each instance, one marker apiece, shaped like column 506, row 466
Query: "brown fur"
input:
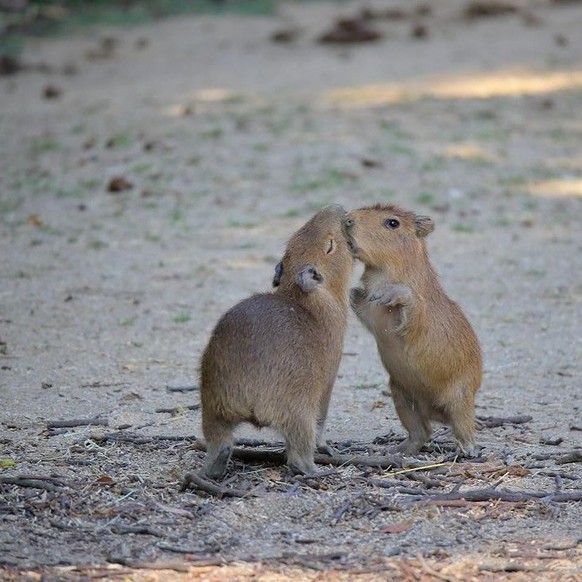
column 426, row 343
column 273, row 358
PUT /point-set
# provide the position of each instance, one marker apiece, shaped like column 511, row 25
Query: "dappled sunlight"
column 557, row 188
column 213, row 95
column 484, row 86
column 468, row 151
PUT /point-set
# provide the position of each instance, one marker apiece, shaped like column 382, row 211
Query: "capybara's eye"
column 330, row 246
column 391, row 223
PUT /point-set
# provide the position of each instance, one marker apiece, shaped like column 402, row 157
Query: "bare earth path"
column 229, row 143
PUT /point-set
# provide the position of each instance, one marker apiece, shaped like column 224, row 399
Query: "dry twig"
column 77, row 422
column 573, row 457
column 192, row 388
column 33, row 483
column 179, row 409
column 495, row 421
column 195, row 481
column 493, row 494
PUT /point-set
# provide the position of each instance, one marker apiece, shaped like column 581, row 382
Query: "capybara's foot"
column 407, row 447
column 469, row 451
column 216, row 462
column 302, row 466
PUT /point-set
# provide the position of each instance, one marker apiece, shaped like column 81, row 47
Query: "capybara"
column 273, row 358
column 426, row 343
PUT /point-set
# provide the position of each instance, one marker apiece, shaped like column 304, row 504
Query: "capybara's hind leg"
column 462, row 418
column 414, row 419
column 300, row 440
column 321, row 443
column 219, row 440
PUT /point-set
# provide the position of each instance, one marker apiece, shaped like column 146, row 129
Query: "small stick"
column 182, row 388
column 179, row 409
column 495, row 421
column 197, row 482
column 246, row 442
column 77, row 422
column 421, row 468
column 432, row 572
column 32, row 483
column 339, row 512
column 280, row 458
column 175, row 566
column 426, row 481
column 136, row 529
column 510, row 567
column 181, row 550
column 573, row 457
column 491, row 494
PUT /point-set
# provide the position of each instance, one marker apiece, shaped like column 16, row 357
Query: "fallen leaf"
column 131, row 396
column 419, row 31
column 488, row 8
column 52, row 92
column 350, row 30
column 9, row 65
column 370, row 163
column 396, row 528
column 119, row 184
column 104, row 480
column 285, row 35
column 35, row 220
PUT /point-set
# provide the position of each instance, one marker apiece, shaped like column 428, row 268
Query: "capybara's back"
column 260, row 361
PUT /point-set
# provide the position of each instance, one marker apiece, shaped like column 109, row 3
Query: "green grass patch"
column 233, row 223
column 182, row 318
column 463, row 227
column 69, row 193
column 47, row 17
column 43, row 145
column 7, row 463
column 424, row 197
column 292, row 213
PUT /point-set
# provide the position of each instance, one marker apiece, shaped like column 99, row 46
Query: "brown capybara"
column 273, row 358
column 426, row 343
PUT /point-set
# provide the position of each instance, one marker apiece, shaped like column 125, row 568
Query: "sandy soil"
column 230, row 142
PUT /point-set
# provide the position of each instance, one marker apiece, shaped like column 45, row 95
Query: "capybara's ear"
column 423, row 226
column 308, row 278
column 278, row 274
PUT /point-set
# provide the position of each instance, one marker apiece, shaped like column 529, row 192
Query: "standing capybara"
column 426, row 344
column 273, row 358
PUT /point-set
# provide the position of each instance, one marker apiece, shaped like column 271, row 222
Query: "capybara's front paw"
column 391, row 295
column 302, row 467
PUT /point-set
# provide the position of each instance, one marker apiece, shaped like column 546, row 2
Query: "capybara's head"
column 385, row 235
column 317, row 258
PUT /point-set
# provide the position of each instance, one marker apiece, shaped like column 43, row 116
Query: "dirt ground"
column 221, row 143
